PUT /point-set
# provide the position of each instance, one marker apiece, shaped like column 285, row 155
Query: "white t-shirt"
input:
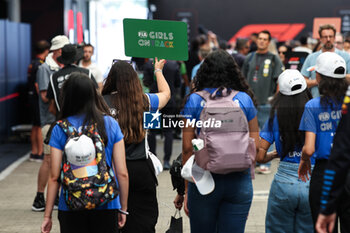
column 96, row 72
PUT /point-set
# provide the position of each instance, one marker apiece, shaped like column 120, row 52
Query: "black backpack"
column 175, row 172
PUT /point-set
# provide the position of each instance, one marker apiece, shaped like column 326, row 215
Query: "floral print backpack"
column 86, row 187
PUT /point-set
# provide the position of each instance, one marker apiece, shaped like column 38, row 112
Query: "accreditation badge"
column 266, row 69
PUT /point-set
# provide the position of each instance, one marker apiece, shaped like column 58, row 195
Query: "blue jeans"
column 288, row 208
column 226, row 209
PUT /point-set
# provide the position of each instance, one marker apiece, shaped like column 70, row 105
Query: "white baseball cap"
column 81, row 154
column 331, row 65
column 202, row 178
column 291, row 82
column 186, row 171
column 59, row 42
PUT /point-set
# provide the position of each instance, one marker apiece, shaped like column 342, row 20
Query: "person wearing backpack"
column 225, row 209
column 88, row 159
column 320, row 121
column 123, row 92
column 288, row 207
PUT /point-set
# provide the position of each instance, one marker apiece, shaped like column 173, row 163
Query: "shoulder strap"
column 273, row 60
column 204, row 94
column 112, row 109
column 54, row 93
column 90, row 129
column 245, row 69
column 67, row 128
column 147, row 150
column 108, row 100
column 251, row 57
column 232, row 94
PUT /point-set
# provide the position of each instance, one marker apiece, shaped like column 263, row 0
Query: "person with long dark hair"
column 320, row 120
column 336, row 181
column 226, row 208
column 82, row 106
column 123, row 91
column 288, row 207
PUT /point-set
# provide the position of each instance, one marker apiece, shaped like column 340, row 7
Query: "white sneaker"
column 263, row 169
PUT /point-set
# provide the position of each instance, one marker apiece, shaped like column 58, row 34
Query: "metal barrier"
column 15, row 55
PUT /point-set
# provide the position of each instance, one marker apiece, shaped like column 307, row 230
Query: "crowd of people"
column 292, row 115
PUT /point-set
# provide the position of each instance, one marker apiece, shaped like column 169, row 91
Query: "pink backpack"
column 227, row 148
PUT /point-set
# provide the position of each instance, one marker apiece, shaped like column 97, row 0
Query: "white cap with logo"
column 291, row 82
column 81, row 154
column 331, row 65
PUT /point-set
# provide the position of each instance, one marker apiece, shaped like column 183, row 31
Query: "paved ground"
column 10, row 152
column 17, row 192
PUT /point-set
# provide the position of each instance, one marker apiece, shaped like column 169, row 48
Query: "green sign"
column 156, row 38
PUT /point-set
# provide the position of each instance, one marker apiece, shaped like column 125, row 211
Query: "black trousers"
column 142, row 199
column 88, row 221
column 315, row 191
column 167, row 133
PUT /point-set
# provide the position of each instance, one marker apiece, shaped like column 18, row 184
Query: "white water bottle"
column 197, row 144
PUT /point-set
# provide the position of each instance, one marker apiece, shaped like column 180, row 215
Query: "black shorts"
column 34, row 110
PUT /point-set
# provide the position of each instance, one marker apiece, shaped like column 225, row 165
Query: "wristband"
column 123, row 212
column 157, row 70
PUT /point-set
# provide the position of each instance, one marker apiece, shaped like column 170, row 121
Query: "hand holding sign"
column 158, row 65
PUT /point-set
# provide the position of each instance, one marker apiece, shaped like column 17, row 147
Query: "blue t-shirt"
column 273, row 135
column 322, row 121
column 114, row 134
column 311, row 61
column 195, row 103
column 195, row 69
column 154, row 102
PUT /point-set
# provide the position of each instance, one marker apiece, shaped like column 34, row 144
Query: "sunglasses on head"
column 118, row 60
